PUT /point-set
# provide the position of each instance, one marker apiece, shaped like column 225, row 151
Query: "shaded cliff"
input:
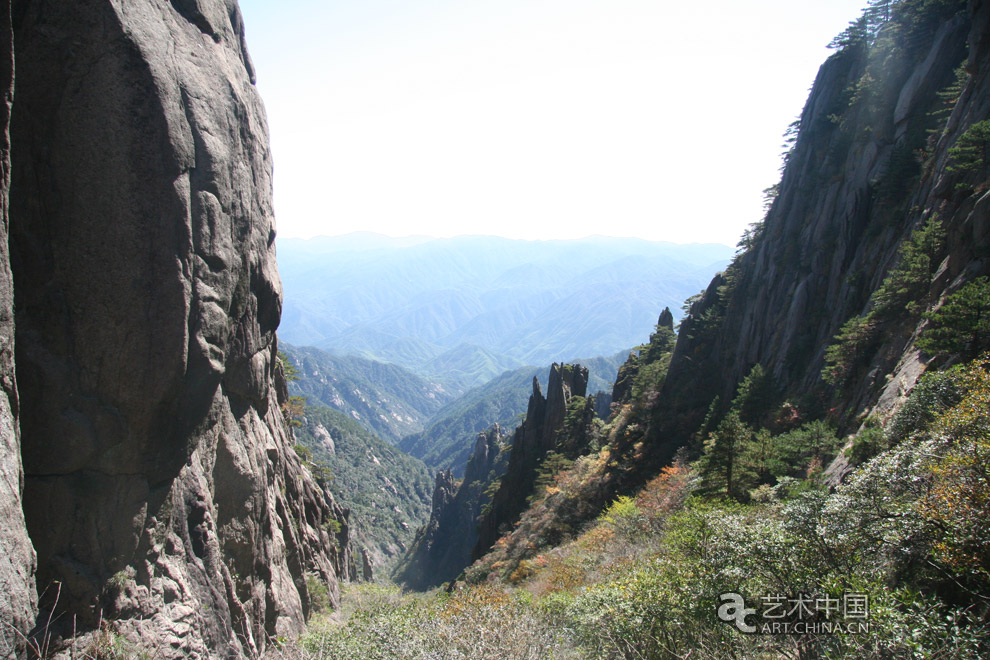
column 161, row 491
column 442, row 548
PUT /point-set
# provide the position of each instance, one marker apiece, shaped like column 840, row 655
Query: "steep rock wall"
column 852, row 191
column 161, row 489
column 17, row 605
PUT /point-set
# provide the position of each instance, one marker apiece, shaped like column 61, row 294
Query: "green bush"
column 623, row 516
column 319, row 594
column 868, row 443
column 936, row 392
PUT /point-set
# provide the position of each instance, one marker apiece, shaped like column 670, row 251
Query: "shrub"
column 623, row 516
column 319, row 593
column 868, row 443
column 958, row 502
column 935, row 393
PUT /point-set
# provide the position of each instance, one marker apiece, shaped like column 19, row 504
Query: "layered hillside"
column 386, row 399
column 161, row 492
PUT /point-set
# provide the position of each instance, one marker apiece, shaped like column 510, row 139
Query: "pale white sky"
column 533, row 119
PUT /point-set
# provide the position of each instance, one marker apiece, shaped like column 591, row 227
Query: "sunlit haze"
column 533, row 119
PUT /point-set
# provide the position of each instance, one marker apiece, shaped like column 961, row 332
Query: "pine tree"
column 971, row 152
column 755, row 396
column 962, row 324
column 720, row 465
column 907, row 286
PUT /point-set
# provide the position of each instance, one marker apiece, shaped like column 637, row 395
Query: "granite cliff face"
column 161, row 491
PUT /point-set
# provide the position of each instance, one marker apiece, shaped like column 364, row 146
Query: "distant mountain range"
column 466, row 309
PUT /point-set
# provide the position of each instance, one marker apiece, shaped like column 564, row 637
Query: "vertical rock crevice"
column 17, row 558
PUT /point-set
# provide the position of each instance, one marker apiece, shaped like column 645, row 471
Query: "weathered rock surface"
column 161, row 489
column 18, row 602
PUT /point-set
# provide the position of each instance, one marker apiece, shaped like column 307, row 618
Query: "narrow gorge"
column 438, row 474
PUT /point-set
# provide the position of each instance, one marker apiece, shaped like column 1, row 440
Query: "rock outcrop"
column 622, row 390
column 17, row 560
column 530, row 443
column 161, row 492
column 442, row 548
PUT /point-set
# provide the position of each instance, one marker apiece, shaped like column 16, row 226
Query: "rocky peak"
column 443, row 492
column 565, row 382
column 666, row 319
column 486, row 450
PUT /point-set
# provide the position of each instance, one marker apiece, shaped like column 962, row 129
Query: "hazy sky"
column 533, row 118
